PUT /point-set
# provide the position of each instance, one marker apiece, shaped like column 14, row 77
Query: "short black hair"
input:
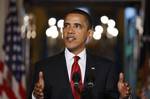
column 78, row 11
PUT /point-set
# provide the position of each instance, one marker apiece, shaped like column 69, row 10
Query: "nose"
column 71, row 30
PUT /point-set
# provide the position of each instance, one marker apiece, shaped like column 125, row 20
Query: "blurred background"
column 31, row 30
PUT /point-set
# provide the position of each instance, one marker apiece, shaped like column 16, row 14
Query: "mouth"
column 70, row 38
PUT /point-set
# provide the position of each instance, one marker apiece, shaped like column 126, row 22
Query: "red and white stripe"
column 9, row 87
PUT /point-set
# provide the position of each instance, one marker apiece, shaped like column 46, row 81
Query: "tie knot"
column 76, row 58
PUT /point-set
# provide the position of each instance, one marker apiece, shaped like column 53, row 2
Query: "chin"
column 70, row 45
column 70, row 48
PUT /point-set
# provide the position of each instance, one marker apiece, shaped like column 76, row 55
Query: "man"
column 75, row 73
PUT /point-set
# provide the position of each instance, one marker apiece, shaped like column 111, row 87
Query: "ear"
column 89, row 36
column 90, row 33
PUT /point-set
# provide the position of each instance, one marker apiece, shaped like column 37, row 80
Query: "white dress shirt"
column 70, row 59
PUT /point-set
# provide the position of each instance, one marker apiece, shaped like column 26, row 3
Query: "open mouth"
column 70, row 38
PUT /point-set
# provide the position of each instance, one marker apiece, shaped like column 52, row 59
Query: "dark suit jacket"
column 57, row 85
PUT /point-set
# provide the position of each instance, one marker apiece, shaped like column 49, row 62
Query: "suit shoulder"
column 101, row 59
column 48, row 60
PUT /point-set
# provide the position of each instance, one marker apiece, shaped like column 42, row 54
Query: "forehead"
column 75, row 17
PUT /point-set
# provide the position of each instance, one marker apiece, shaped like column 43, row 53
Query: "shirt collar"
column 70, row 55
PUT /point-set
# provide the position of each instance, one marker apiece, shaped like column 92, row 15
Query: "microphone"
column 76, row 79
column 91, row 78
column 88, row 89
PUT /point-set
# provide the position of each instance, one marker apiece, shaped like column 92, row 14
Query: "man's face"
column 75, row 32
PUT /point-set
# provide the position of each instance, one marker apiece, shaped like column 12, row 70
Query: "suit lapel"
column 89, row 64
column 66, row 77
column 64, row 68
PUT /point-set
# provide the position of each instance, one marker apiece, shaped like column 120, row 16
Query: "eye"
column 66, row 25
column 77, row 25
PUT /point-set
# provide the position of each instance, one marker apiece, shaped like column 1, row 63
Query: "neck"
column 76, row 52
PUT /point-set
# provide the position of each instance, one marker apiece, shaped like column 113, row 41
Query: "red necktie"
column 76, row 69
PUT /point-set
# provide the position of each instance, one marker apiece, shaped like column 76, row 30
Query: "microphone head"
column 76, row 79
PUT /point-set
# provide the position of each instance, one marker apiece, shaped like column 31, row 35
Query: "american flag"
column 12, row 70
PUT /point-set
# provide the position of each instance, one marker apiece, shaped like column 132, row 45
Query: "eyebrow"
column 76, row 23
